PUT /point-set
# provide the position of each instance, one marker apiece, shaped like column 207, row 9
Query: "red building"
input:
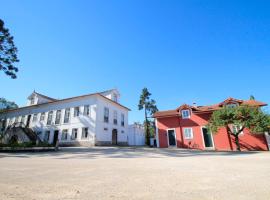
column 184, row 127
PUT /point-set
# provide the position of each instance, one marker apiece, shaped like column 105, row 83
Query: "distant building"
column 136, row 135
column 184, row 127
column 92, row 119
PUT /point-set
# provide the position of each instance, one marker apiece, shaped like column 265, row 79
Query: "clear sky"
column 183, row 51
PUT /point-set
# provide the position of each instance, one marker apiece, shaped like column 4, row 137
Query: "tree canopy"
column 6, row 105
column 8, row 52
column 236, row 119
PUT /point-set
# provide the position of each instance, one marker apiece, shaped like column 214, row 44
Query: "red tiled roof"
column 205, row 109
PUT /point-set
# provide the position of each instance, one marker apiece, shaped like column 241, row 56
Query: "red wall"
column 221, row 140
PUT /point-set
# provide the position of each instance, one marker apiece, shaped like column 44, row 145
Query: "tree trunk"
column 237, row 143
column 146, row 131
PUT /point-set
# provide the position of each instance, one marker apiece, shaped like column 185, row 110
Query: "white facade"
column 136, row 135
column 49, row 117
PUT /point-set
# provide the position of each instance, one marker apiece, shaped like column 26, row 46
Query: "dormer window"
column 231, row 105
column 115, row 98
column 185, row 114
column 32, row 101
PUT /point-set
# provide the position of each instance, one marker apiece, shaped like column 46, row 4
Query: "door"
column 55, row 137
column 114, row 137
column 171, row 138
column 208, row 138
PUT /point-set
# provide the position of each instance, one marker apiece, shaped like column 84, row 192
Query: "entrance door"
column 114, row 137
column 55, row 137
column 207, row 137
column 171, row 138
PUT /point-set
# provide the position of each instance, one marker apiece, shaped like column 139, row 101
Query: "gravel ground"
column 134, row 173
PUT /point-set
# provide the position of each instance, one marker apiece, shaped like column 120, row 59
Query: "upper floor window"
column 32, row 101
column 84, row 133
column 67, row 115
column 232, row 105
column 42, row 117
column 34, row 118
column 86, row 110
column 23, row 118
column 106, row 114
column 58, row 117
column 76, row 111
column 115, row 117
column 50, row 116
column 122, row 120
column 188, row 133
column 185, row 114
column 64, row 134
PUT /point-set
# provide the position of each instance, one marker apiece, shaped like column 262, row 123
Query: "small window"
column 188, row 133
column 42, row 117
column 58, row 117
column 106, row 115
column 34, row 118
column 122, row 120
column 236, row 128
column 232, row 105
column 86, row 110
column 84, row 133
column 32, row 101
column 64, row 134
column 185, row 114
column 115, row 117
column 67, row 115
column 76, row 111
column 74, row 134
column 105, row 129
column 46, row 136
column 115, row 98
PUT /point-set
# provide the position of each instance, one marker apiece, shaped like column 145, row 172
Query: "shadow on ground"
column 121, row 152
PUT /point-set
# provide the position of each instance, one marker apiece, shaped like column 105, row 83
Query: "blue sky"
column 182, row 51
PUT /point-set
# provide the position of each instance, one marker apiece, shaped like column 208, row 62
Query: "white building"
column 136, row 135
column 92, row 119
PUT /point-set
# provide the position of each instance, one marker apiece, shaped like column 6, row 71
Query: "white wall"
column 136, row 135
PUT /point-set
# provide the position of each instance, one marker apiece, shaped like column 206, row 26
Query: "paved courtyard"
column 134, row 173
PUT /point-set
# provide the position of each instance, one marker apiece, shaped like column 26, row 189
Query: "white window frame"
column 122, row 119
column 86, row 110
column 35, row 117
column 73, row 131
column 67, row 115
column 42, row 117
column 76, row 113
column 85, row 138
column 174, row 129
column 105, row 115
column 183, row 112
column 115, row 116
column 192, row 135
column 64, row 131
column 231, row 105
column 204, row 141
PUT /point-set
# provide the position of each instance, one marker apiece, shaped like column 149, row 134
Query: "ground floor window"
column 64, row 134
column 74, row 134
column 46, row 136
column 188, row 133
column 84, row 133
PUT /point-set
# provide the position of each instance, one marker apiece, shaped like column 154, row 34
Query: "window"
column 34, row 118
column 122, row 120
column 74, row 134
column 39, row 134
column 16, row 119
column 232, row 105
column 106, row 115
column 236, row 128
column 32, row 101
column 76, row 111
column 188, row 133
column 23, row 119
column 84, row 133
column 46, row 136
column 86, row 110
column 115, row 98
column 185, row 114
column 42, row 117
column 67, row 115
column 10, row 121
column 115, row 117
column 49, row 120
column 58, row 117
column 64, row 134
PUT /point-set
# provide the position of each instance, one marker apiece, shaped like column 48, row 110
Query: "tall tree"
column 8, row 52
column 149, row 106
column 236, row 119
column 6, row 105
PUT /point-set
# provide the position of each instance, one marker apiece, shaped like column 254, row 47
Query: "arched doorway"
column 114, row 137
